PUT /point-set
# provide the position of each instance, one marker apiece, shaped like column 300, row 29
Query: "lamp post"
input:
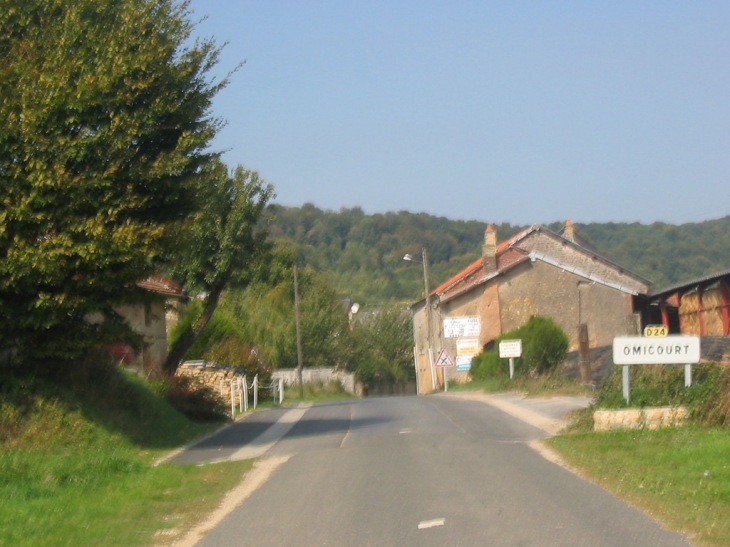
column 298, row 333
column 429, row 351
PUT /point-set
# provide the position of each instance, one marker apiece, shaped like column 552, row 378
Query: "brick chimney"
column 569, row 231
column 489, row 249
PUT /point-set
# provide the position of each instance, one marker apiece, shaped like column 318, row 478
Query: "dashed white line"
column 431, row 523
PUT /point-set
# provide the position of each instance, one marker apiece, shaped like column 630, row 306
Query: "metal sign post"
column 510, row 349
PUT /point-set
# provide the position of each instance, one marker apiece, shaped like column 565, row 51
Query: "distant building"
column 150, row 320
column 699, row 306
column 536, row 272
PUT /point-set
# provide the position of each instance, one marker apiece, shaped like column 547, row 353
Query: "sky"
column 512, row 111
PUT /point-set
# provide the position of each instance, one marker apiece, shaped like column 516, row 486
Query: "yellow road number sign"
column 656, row 330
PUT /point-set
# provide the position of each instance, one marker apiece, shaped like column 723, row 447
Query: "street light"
column 424, row 261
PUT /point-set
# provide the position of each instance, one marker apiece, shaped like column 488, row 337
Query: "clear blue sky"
column 509, row 111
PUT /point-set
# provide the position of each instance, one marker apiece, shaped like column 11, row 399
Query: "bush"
column 195, row 400
column 543, row 348
column 543, row 344
column 488, row 365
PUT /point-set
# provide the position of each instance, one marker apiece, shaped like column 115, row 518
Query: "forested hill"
column 363, row 253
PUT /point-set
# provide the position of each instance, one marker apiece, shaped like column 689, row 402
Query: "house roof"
column 162, row 285
column 478, row 265
column 691, row 284
column 509, row 255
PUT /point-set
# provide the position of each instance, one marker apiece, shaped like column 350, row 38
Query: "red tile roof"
column 475, row 270
column 161, row 285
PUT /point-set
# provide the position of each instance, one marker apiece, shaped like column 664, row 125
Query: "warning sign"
column 444, row 359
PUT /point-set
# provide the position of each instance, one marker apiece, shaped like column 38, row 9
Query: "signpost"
column 445, row 361
column 655, row 350
column 510, row 349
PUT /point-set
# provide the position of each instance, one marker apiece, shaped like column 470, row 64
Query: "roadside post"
column 509, row 349
column 655, row 350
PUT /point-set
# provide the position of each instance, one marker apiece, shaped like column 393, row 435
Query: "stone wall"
column 209, row 374
column 219, row 377
column 639, row 418
column 313, row 375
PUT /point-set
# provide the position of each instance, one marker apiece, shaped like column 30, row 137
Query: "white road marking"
column 406, row 430
column 258, row 447
column 431, row 523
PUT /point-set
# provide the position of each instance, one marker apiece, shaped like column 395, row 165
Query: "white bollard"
column 281, row 390
column 244, row 394
column 233, row 398
column 255, row 391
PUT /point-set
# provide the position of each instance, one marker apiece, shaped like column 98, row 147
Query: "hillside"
column 364, row 253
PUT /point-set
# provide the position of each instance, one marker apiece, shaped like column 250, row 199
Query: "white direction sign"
column 510, row 348
column 467, row 325
column 666, row 350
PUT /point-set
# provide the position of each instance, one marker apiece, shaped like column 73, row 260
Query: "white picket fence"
column 239, row 392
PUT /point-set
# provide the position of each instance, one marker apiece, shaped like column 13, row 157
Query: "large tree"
column 105, row 120
column 222, row 245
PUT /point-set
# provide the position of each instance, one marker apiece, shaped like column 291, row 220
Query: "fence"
column 232, row 386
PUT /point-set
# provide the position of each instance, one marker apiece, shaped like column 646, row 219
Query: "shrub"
column 543, row 348
column 488, row 365
column 544, row 344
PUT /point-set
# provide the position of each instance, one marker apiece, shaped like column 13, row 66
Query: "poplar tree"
column 104, row 132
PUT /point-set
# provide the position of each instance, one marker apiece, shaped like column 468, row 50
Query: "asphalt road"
column 415, row 471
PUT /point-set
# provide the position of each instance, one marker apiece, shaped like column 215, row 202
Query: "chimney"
column 489, row 249
column 569, row 232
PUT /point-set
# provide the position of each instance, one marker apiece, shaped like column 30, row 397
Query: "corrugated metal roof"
column 691, row 283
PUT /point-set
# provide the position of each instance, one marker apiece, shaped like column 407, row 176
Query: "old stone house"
column 150, row 319
column 536, row 272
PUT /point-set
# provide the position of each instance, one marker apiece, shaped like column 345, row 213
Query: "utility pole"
column 299, row 333
column 424, row 256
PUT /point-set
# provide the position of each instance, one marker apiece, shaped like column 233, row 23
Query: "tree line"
column 364, row 253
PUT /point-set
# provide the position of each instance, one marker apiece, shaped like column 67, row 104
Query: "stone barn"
column 536, row 272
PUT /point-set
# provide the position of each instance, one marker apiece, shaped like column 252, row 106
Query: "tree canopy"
column 221, row 245
column 106, row 127
column 364, row 253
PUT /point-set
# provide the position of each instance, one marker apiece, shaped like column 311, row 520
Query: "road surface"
column 414, row 471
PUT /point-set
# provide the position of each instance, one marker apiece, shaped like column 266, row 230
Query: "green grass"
column 681, row 476
column 76, row 465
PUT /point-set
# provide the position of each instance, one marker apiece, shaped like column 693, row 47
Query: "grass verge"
column 76, row 465
column 681, row 476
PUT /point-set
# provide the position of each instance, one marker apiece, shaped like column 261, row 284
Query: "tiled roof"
column 509, row 254
column 476, row 267
column 161, row 285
